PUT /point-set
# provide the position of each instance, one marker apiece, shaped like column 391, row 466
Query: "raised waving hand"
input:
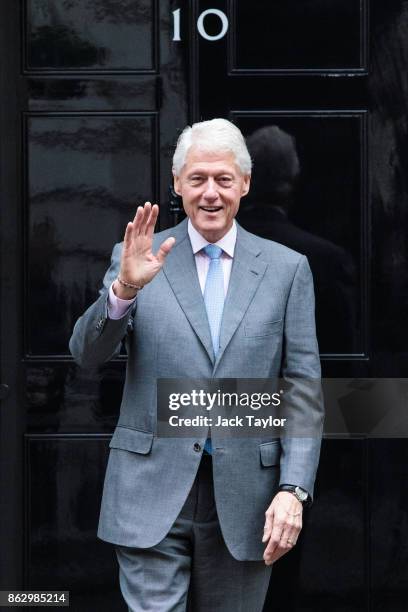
column 139, row 265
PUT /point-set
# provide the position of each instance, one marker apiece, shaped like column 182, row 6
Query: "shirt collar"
column 227, row 242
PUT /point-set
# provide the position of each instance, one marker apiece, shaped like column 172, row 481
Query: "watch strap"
column 300, row 494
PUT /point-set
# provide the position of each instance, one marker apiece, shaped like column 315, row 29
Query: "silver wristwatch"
column 300, row 494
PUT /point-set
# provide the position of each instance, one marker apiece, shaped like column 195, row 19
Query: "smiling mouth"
column 210, row 209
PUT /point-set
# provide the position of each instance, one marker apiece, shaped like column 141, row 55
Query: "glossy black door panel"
column 98, row 94
column 91, row 34
column 95, row 169
column 389, row 502
column 64, row 486
column 326, row 215
column 64, row 398
column 296, row 36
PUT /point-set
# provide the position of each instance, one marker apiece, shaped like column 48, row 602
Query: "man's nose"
column 211, row 192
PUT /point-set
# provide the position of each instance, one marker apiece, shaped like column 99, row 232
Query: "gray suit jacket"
column 268, row 329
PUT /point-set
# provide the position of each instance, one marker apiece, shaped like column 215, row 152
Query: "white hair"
column 213, row 136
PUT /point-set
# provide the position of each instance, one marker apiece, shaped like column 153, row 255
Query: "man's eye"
column 196, row 180
column 225, row 180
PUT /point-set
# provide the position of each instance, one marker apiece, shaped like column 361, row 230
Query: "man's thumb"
column 165, row 249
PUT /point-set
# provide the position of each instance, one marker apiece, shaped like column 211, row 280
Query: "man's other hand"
column 283, row 522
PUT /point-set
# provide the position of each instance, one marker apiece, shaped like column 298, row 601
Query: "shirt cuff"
column 118, row 308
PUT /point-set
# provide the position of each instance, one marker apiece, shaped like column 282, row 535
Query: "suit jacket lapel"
column 246, row 274
column 181, row 272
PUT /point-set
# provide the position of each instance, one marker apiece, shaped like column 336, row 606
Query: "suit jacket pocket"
column 270, row 453
column 254, row 329
column 133, row 440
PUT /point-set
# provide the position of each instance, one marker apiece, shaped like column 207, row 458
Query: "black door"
column 325, row 83
column 92, row 96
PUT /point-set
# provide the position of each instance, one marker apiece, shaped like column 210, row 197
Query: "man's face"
column 211, row 185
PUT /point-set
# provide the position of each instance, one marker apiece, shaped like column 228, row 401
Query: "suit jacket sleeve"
column 96, row 338
column 302, row 375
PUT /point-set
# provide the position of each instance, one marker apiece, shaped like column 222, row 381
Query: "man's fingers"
column 165, row 249
column 288, row 539
column 274, row 528
column 268, row 526
column 290, row 531
column 128, row 235
column 276, row 546
column 266, row 533
column 145, row 219
column 147, row 209
column 275, row 538
column 273, row 551
column 154, row 213
column 279, row 552
column 137, row 221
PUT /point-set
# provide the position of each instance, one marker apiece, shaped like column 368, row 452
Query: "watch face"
column 301, row 494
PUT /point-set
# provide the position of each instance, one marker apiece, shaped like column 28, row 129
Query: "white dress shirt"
column 118, row 308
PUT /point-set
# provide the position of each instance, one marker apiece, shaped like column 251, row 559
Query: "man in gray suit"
column 198, row 523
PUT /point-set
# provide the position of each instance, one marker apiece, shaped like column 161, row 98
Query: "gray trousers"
column 192, row 569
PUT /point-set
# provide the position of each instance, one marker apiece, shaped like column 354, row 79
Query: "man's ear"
column 177, row 184
column 246, row 185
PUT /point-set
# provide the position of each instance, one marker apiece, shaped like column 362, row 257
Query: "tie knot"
column 213, row 251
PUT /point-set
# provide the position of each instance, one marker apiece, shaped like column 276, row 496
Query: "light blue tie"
column 214, row 302
column 214, row 293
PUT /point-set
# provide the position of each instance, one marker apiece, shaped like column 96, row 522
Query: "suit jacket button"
column 197, row 447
